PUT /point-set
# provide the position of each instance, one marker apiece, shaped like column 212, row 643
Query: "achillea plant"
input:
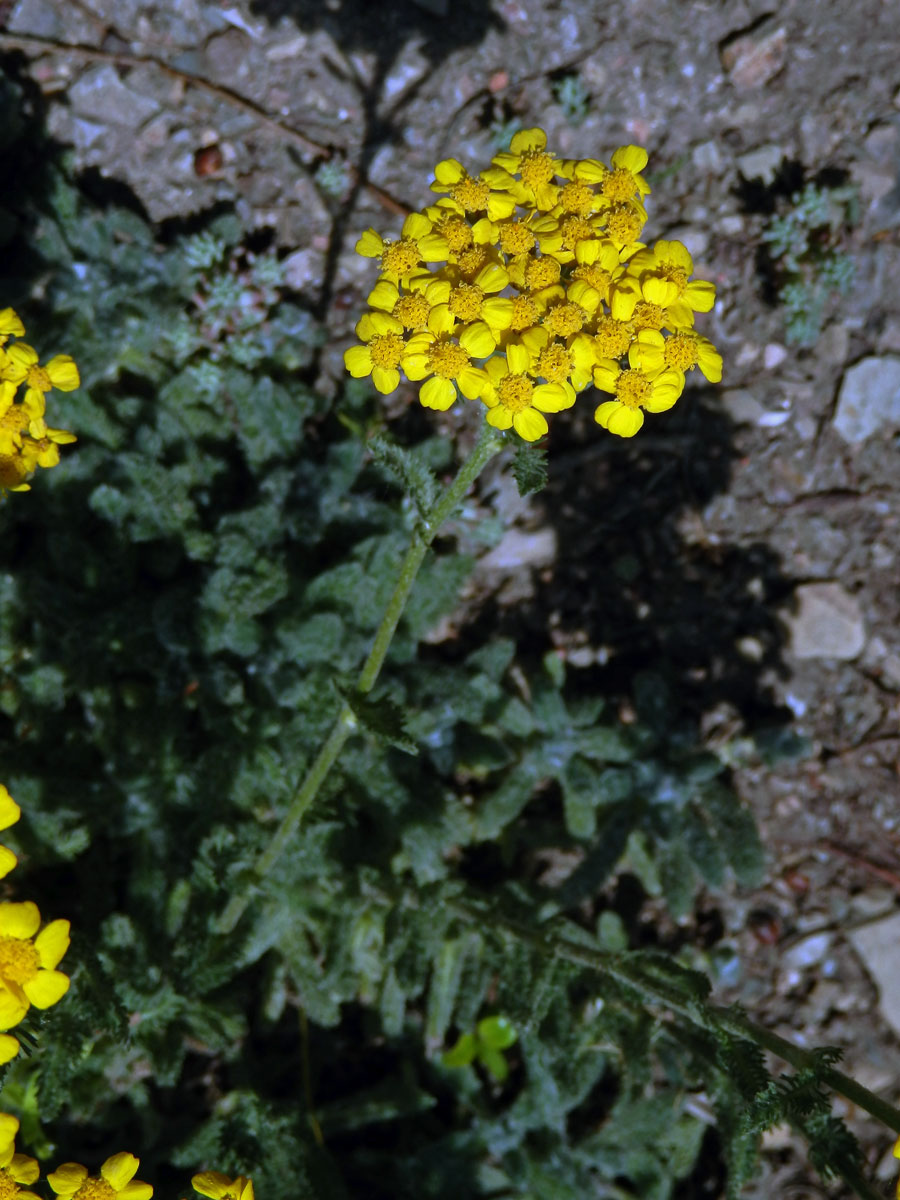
column 524, row 285
column 26, row 440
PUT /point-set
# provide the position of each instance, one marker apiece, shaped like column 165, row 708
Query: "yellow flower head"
column 635, row 391
column 26, row 443
column 16, row 1169
column 28, row 964
column 682, row 351
column 516, row 401
column 486, row 193
column 9, row 814
column 10, row 325
column 22, row 367
column 116, row 1181
column 527, row 157
column 447, row 359
column 217, row 1186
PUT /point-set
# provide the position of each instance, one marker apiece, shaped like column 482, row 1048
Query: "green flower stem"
column 490, row 441
column 732, row 1020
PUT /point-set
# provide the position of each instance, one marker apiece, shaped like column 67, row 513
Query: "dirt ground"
column 750, row 543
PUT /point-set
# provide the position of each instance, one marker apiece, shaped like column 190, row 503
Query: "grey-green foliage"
column 530, row 468
column 186, row 600
column 806, row 244
column 573, row 97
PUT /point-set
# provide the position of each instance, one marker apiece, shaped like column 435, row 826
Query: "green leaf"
column 442, row 993
column 408, row 469
column 705, row 852
column 381, row 717
column 736, row 832
column 611, row 932
column 502, row 806
column 496, row 1032
column 530, row 467
column 494, row 1062
column 463, row 1053
column 579, row 797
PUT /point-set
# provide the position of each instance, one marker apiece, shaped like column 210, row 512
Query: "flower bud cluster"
column 525, row 284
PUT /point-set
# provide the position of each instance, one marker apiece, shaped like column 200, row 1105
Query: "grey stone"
column 754, row 58
column 86, row 133
column 774, row 355
column 808, row 952
column 761, row 163
column 869, row 398
column 878, row 945
column 827, row 623
column 304, row 268
column 519, row 549
column 833, row 344
column 707, row 156
column 39, row 17
column 102, row 96
column 741, row 405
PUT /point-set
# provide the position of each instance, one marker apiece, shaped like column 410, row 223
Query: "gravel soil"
column 752, row 544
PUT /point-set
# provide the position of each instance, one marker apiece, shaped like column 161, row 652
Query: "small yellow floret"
column 675, row 273
column 632, row 388
column 515, row 392
column 19, row 961
column 525, row 314
column 447, row 360
column 536, row 167
column 563, row 319
column 554, row 364
column 624, row 223
column 619, row 185
column 680, row 352
column 541, row 273
column 465, row 301
column 471, row 261
column 95, row 1189
column 456, row 233
column 576, row 198
column 648, row 316
column 595, row 275
column 471, row 194
column 412, row 310
column 400, row 257
column 516, row 238
column 612, row 337
column 386, row 350
column 574, row 230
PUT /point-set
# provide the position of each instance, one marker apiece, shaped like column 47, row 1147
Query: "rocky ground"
column 755, row 530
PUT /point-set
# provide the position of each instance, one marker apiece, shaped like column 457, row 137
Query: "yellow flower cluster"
column 70, row 1181
column 28, row 976
column 28, row 958
column 26, row 441
column 116, row 1181
column 523, row 285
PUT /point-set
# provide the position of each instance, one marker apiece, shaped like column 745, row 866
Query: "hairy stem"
column 615, row 966
column 488, row 444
